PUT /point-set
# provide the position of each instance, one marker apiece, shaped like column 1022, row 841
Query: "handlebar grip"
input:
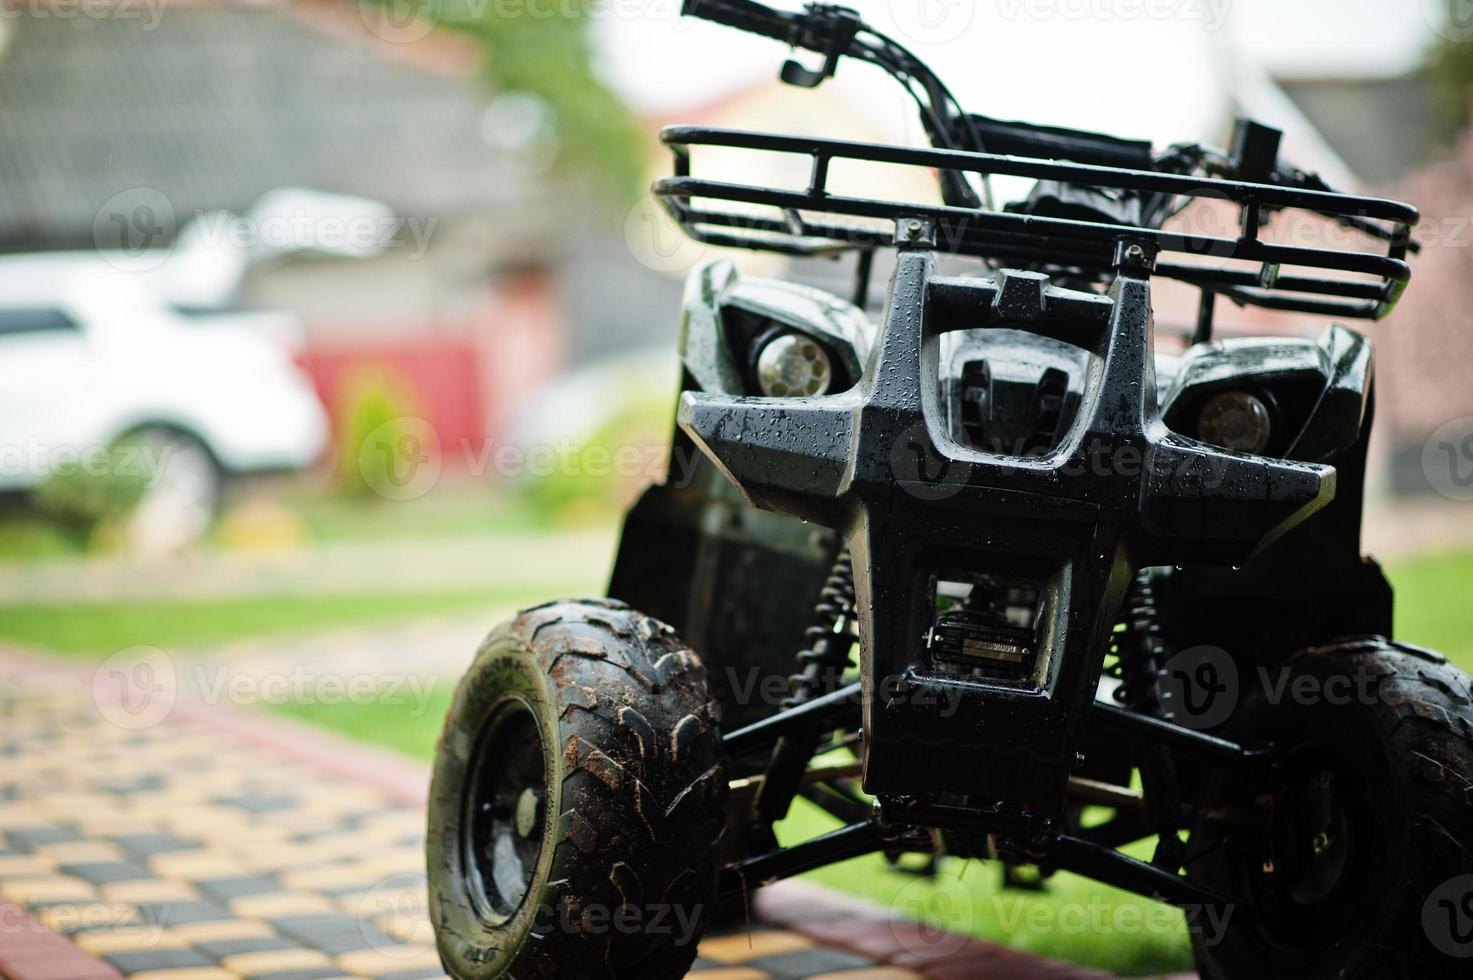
column 745, row 15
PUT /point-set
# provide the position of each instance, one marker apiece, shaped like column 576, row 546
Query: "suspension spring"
column 1143, row 647
column 828, row 640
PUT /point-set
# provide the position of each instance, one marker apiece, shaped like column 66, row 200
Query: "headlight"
column 1235, row 420
column 793, row 365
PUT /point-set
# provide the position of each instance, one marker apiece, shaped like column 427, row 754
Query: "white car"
column 89, row 354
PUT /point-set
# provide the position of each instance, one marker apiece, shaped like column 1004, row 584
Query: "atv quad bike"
column 1075, row 573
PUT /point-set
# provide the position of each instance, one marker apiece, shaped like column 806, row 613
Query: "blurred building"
column 1425, row 348
column 1393, row 139
column 494, row 279
column 461, row 311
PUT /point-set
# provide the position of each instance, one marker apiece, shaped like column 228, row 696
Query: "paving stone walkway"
column 221, row 844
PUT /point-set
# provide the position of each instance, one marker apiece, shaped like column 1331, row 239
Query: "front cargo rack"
column 806, row 222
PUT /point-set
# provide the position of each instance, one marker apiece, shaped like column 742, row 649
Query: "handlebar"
column 836, row 32
column 747, row 15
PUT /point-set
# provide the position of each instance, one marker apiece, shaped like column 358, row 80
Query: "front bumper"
column 1121, row 492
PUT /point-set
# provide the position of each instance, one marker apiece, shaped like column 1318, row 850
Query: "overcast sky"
column 1149, row 68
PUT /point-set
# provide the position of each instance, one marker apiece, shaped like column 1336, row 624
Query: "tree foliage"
column 542, row 48
column 1450, row 66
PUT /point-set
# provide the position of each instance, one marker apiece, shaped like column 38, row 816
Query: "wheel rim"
column 505, row 803
column 1325, row 818
column 177, row 507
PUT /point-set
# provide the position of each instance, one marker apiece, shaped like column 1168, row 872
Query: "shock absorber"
column 1142, row 648
column 826, row 654
column 821, row 662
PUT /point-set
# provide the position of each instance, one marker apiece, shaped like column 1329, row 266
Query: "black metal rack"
column 806, row 225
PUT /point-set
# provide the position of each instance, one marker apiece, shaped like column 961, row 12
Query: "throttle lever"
column 826, row 28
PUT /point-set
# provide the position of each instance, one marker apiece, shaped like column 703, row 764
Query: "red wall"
column 464, row 374
column 443, row 375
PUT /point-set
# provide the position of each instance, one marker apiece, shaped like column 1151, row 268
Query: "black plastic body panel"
column 1267, row 547
column 739, row 583
column 1120, row 492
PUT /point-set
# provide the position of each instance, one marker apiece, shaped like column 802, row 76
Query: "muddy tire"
column 1365, row 870
column 577, row 801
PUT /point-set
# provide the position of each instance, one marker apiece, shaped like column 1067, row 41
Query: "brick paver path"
column 220, row 844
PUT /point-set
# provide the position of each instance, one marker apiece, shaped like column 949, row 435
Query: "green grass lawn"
column 455, row 509
column 102, row 628
column 1433, row 607
column 26, row 536
column 1076, row 919
column 412, row 729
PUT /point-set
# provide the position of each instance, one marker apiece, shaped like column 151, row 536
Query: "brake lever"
column 829, row 29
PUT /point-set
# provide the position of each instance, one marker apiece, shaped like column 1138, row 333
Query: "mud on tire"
column 616, row 838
